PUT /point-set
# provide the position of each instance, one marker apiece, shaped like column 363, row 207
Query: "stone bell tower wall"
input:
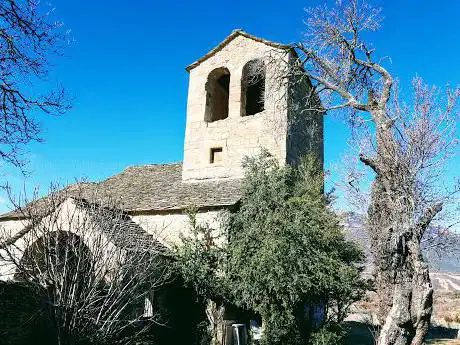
column 215, row 150
column 305, row 125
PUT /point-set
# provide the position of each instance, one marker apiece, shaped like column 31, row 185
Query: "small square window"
column 216, row 155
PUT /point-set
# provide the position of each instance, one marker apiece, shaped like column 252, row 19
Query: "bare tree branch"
column 29, row 40
column 404, row 143
column 99, row 269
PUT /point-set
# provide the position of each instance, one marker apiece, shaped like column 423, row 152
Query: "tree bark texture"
column 403, row 283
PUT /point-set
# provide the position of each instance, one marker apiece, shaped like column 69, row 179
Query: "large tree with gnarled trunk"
column 405, row 144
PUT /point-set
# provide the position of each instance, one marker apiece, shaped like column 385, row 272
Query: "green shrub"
column 328, row 335
column 280, row 251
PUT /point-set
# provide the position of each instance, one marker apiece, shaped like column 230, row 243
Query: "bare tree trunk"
column 378, row 220
column 423, row 300
column 408, row 319
column 406, row 144
column 215, row 315
column 403, row 283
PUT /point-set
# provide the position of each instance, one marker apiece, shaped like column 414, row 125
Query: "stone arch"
column 217, row 95
column 253, row 88
column 64, row 251
column 89, row 240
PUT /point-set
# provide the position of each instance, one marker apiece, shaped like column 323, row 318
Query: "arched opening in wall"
column 58, row 256
column 217, row 94
column 253, row 88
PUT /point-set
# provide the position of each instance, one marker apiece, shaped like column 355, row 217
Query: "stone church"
column 239, row 101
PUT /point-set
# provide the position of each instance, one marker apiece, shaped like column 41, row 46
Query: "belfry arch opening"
column 253, row 88
column 217, row 95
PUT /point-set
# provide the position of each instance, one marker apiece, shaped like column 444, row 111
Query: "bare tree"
column 97, row 268
column 29, row 38
column 404, row 144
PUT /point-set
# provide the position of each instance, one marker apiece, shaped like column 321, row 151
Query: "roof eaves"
column 180, row 208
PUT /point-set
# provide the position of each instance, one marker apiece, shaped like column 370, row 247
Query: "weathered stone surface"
column 238, row 135
column 283, row 127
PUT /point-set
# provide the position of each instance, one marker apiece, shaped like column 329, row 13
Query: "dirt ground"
column 445, row 321
column 363, row 334
column 446, row 307
column 446, row 314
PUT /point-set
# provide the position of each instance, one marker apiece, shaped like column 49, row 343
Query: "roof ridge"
column 231, row 37
column 152, row 165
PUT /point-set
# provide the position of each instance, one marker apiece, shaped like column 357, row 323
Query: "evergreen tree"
column 284, row 256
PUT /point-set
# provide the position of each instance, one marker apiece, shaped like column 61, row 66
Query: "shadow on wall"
column 182, row 314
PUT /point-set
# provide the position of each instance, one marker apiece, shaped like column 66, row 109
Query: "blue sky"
column 126, row 74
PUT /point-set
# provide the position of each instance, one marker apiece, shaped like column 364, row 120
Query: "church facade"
column 240, row 100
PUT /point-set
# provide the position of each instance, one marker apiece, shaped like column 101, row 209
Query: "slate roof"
column 152, row 188
column 121, row 229
column 231, row 37
column 160, row 187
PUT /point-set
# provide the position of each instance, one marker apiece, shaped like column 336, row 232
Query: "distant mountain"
column 355, row 230
column 441, row 258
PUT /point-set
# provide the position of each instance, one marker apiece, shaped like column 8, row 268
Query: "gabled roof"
column 231, row 37
column 116, row 225
column 150, row 188
column 120, row 228
column 160, row 187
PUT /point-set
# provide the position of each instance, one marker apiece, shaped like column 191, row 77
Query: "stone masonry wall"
column 238, row 136
column 305, row 127
column 167, row 228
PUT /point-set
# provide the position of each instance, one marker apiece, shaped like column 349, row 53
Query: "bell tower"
column 238, row 104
